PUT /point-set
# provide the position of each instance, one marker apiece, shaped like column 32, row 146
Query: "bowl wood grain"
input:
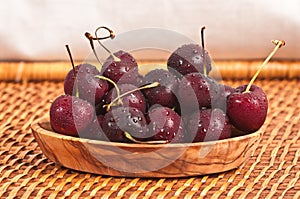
column 143, row 160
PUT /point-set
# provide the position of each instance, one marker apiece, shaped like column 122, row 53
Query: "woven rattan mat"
column 272, row 172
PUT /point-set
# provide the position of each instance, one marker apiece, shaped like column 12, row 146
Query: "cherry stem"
column 113, row 102
column 90, row 38
column 71, row 59
column 278, row 43
column 74, row 71
column 203, row 51
column 111, row 35
column 114, row 84
column 128, row 136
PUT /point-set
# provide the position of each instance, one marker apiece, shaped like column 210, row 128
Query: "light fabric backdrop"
column 236, row 29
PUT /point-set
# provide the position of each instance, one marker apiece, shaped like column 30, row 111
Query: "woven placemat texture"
column 16, row 71
column 272, row 172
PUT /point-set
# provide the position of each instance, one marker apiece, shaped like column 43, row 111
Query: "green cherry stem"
column 278, row 43
column 128, row 136
column 113, row 102
column 111, row 35
column 114, row 84
column 75, row 74
column 203, row 51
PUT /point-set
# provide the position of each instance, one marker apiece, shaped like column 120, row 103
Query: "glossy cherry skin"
column 135, row 99
column 83, row 69
column 139, row 81
column 189, row 59
column 93, row 89
column 247, row 111
column 196, row 88
column 221, row 101
column 165, row 124
column 70, row 115
column 94, row 130
column 90, row 87
column 208, row 125
column 164, row 94
column 124, row 119
column 123, row 71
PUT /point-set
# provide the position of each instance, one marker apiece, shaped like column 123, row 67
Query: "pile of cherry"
column 178, row 105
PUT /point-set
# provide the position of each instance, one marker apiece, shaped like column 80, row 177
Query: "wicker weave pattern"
column 227, row 69
column 272, row 172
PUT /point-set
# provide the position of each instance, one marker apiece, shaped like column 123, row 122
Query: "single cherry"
column 208, row 125
column 69, row 82
column 247, row 110
column 164, row 94
column 165, row 125
column 90, row 88
column 121, row 120
column 247, row 107
column 85, row 85
column 123, row 71
column 195, row 91
column 70, row 115
column 94, row 130
column 190, row 58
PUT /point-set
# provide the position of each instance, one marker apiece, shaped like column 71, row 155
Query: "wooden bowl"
column 143, row 160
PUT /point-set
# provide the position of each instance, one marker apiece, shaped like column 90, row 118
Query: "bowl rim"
column 35, row 126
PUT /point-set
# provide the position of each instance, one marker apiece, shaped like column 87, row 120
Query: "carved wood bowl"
column 143, row 160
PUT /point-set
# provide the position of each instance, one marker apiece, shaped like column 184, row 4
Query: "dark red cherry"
column 94, row 130
column 139, row 81
column 247, row 107
column 196, row 86
column 165, row 124
column 70, row 115
column 247, row 111
column 224, row 92
column 124, row 119
column 70, row 78
column 124, row 70
column 90, row 87
column 135, row 99
column 208, row 125
column 189, row 59
column 164, row 94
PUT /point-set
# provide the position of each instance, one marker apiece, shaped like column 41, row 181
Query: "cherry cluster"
column 178, row 105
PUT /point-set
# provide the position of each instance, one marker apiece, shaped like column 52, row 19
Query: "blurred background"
column 34, row 30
